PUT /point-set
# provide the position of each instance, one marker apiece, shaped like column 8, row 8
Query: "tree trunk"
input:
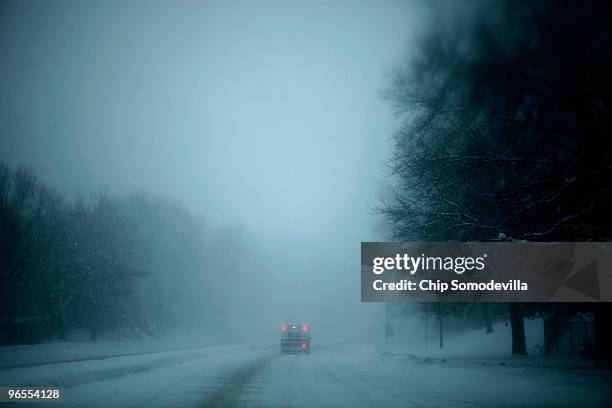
column 548, row 336
column 603, row 334
column 63, row 324
column 62, row 332
column 441, row 321
column 95, row 324
column 58, row 322
column 93, row 333
column 519, row 345
column 487, row 318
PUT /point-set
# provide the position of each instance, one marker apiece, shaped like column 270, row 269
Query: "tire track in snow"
column 228, row 394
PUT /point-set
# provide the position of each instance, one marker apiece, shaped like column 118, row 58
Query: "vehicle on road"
column 295, row 338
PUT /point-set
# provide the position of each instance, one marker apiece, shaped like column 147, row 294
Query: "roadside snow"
column 64, row 351
column 470, row 343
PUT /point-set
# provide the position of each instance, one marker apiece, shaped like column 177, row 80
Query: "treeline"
column 506, row 113
column 139, row 265
column 462, row 316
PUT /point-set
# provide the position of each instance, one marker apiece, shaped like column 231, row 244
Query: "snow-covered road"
column 333, row 376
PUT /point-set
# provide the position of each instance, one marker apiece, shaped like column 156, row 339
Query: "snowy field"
column 141, row 374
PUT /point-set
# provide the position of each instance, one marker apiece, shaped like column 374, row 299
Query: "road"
column 334, row 376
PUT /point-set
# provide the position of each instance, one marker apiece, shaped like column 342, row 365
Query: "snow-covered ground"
column 64, row 351
column 476, row 347
column 337, row 375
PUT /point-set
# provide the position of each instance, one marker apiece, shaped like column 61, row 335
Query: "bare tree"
column 505, row 130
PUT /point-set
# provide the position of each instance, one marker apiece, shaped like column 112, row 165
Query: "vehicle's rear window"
column 291, row 335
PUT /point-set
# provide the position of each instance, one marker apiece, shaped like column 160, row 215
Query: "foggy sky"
column 262, row 115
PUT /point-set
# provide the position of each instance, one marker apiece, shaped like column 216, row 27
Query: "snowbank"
column 64, row 351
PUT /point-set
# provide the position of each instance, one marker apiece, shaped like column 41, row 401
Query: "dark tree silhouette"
column 505, row 132
column 138, row 264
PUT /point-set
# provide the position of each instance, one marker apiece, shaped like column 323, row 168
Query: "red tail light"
column 305, row 328
column 283, row 327
column 303, row 345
